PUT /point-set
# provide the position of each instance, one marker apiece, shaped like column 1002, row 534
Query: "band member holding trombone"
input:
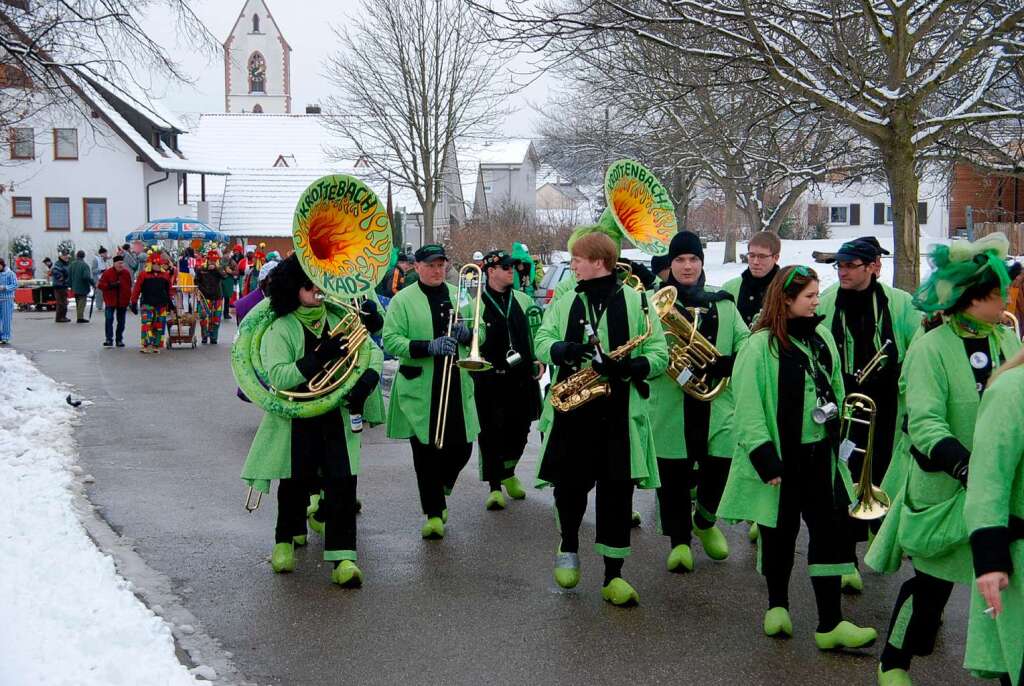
column 507, row 394
column 606, row 345
column 788, row 388
column 431, row 402
column 946, row 372
column 873, row 325
column 693, row 426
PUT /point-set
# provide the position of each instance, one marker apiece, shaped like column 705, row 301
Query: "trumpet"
column 870, row 501
column 874, row 363
column 470, row 277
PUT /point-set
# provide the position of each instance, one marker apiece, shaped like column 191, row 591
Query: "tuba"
column 637, row 206
column 870, row 501
column 690, row 354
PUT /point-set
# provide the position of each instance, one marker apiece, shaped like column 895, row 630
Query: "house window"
column 21, row 207
column 58, row 214
column 257, row 109
column 257, row 73
column 23, row 145
column 94, row 214
column 487, row 188
column 255, row 23
column 888, row 214
column 65, row 144
column 839, row 214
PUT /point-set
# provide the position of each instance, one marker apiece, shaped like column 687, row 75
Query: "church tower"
column 257, row 63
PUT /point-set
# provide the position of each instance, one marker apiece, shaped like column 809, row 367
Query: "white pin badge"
column 979, row 360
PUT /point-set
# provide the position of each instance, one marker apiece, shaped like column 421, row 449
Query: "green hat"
column 961, row 265
column 609, row 230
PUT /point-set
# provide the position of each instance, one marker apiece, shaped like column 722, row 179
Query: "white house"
column 506, row 174
column 257, row 63
column 93, row 171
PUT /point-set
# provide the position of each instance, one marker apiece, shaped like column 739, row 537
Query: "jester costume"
column 209, row 277
column 154, row 292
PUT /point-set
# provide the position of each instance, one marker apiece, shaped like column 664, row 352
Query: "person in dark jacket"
column 116, row 285
column 155, row 291
column 81, row 284
column 60, row 277
column 209, row 276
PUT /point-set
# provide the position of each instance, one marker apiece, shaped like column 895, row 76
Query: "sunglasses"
column 799, row 269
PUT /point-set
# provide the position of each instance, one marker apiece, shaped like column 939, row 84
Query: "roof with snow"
column 511, row 151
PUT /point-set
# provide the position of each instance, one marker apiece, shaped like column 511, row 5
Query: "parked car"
column 554, row 274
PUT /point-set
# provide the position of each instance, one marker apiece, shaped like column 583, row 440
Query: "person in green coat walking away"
column 416, row 331
column 994, row 512
column 307, row 454
column 81, row 284
column 694, row 437
column 946, row 371
column 607, row 441
column 788, row 387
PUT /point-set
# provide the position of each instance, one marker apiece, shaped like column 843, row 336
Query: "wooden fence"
column 1014, row 231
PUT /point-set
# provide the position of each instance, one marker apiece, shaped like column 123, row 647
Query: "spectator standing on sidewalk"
column 81, row 285
column 100, row 264
column 8, row 284
column 116, row 285
column 60, row 277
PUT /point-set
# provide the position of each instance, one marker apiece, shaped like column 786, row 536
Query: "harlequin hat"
column 213, row 254
column 961, row 265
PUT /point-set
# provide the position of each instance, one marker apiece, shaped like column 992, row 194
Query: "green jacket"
column 408, row 319
column 666, row 404
column 906, row 320
column 643, row 458
column 941, row 403
column 80, row 277
column 732, row 287
column 756, row 389
column 995, row 491
column 270, row 455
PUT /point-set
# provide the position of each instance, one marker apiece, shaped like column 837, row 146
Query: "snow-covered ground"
column 66, row 616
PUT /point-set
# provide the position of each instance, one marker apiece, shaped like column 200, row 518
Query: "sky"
column 307, row 26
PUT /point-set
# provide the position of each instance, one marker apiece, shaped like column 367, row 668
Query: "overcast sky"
column 306, row 25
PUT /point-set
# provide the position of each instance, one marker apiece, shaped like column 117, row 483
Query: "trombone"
column 870, row 501
column 470, row 277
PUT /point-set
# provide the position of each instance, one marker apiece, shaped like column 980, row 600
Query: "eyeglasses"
column 758, row 256
column 848, row 265
column 799, row 269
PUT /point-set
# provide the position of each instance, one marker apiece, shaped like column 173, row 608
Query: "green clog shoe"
column 894, row 677
column 636, row 520
column 777, row 622
column 618, row 592
column 713, row 540
column 347, row 575
column 314, row 504
column 852, row 583
column 514, row 489
column 845, row 635
column 299, row 541
column 283, row 558
column 754, row 533
column 567, row 569
column 433, row 529
column 495, row 501
column 680, row 559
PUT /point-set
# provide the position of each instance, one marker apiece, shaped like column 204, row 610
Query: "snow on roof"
column 511, row 151
column 136, row 97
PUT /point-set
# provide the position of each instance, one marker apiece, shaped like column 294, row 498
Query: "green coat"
column 732, row 287
column 666, row 408
column 408, row 319
column 270, row 456
column 756, row 388
column 642, row 455
column 80, row 277
column 995, row 490
column 941, row 403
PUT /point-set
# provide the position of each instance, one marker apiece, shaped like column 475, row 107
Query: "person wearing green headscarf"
column 945, row 372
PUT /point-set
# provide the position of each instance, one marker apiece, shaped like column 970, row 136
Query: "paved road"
column 165, row 439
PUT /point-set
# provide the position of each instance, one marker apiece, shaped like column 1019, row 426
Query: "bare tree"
column 905, row 76
column 412, row 78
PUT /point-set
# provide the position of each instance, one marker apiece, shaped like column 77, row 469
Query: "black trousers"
column 506, row 411
column 915, row 619
column 673, row 498
column 437, row 471
column 808, row 492
column 337, row 511
column 61, row 297
column 614, row 512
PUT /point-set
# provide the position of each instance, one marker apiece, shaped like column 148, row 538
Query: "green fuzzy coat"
column 995, row 490
column 756, row 388
column 408, row 319
column 642, row 455
column 941, row 403
column 270, row 456
column 666, row 403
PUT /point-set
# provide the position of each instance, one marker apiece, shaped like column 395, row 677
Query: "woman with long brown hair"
column 785, row 465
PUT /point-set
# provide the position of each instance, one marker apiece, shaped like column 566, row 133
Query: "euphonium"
column 869, row 501
column 586, row 384
column 690, row 354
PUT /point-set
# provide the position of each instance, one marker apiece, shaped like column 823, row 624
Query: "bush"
column 67, row 245
column 21, row 246
column 822, row 230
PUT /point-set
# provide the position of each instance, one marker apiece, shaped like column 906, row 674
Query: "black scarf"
column 751, row 294
column 696, row 295
column 500, row 332
column 857, row 309
column 440, row 303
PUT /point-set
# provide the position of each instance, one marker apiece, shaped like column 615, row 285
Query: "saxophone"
column 586, row 384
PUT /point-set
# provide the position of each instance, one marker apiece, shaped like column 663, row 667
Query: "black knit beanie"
column 685, row 243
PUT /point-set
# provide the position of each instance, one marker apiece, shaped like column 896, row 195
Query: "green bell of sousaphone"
column 342, row 238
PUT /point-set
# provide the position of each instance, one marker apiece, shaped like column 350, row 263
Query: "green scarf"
column 313, row 318
column 967, row 326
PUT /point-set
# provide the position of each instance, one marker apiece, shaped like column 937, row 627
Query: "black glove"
column 442, row 346
column 462, row 333
column 613, row 369
column 569, row 353
column 315, row 360
column 134, row 308
column 370, row 317
column 362, row 389
column 951, row 456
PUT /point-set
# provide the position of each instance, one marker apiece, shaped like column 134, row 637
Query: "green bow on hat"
column 960, row 265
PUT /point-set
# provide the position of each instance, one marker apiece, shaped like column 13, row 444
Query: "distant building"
column 257, row 63
column 506, row 174
column 867, row 204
